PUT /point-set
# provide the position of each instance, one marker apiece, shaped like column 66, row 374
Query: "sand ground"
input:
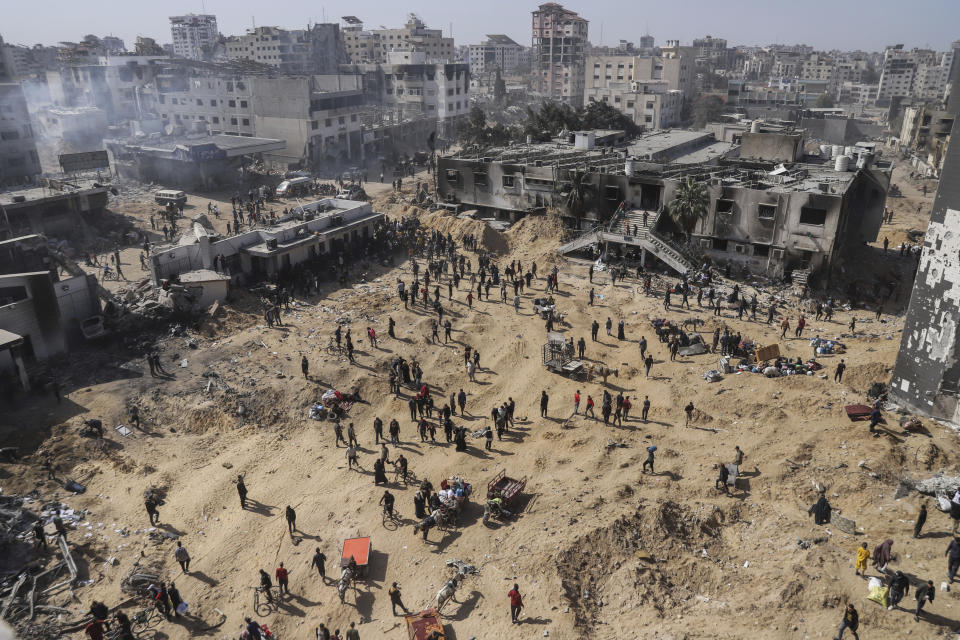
column 751, row 564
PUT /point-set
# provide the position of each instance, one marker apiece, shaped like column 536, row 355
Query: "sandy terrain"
column 749, row 564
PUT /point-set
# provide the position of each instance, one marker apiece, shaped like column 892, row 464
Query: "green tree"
column 551, row 118
column 824, row 101
column 689, row 205
column 706, row 108
column 600, row 115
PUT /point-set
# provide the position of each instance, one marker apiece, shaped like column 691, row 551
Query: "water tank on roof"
column 848, row 151
column 755, row 126
column 842, row 163
column 864, row 160
column 825, row 150
column 837, row 151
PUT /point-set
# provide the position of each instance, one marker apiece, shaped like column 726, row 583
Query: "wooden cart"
column 421, row 625
column 506, row 488
column 359, row 550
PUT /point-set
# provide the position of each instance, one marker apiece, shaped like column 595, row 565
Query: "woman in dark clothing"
column 175, row 599
column 821, row 510
column 378, row 474
column 881, row 554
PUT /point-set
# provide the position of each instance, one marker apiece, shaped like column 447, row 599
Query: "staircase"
column 619, row 229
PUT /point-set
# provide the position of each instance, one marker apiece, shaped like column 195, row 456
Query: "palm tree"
column 689, row 205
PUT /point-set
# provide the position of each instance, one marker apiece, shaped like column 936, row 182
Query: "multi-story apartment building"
column 559, row 49
column 713, row 52
column 19, row 162
column 650, row 104
column 365, row 46
column 317, row 116
column 496, row 52
column 113, row 44
column 316, row 50
column 818, row 67
column 675, row 68
column 899, row 73
column 856, row 93
column 193, row 35
column 411, row 87
column 415, row 36
column 114, row 84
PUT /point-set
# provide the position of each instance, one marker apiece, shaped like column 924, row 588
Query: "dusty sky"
column 824, row 24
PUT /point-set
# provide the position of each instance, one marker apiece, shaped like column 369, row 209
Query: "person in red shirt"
column 516, row 603
column 283, row 576
column 576, row 402
column 801, row 323
column 626, row 407
column 589, row 408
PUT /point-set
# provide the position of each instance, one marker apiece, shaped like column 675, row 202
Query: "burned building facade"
column 926, row 377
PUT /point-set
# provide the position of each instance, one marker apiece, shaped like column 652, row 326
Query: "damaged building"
column 326, row 227
column 55, row 207
column 44, row 301
column 194, row 162
column 926, row 377
column 770, row 209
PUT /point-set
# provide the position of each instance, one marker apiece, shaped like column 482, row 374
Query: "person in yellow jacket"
column 862, row 556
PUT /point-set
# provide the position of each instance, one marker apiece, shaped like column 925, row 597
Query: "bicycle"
column 273, row 598
column 391, row 517
column 144, row 619
column 111, row 275
column 333, row 348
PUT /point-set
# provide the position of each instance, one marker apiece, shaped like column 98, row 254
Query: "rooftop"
column 230, row 146
column 50, row 188
column 783, row 178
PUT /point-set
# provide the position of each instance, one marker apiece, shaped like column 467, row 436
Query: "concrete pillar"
column 643, row 256
column 19, row 366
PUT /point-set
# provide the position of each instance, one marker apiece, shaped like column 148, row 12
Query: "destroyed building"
column 44, row 300
column 196, row 162
column 326, row 227
column 767, row 211
column 926, row 377
column 55, row 207
column 19, row 162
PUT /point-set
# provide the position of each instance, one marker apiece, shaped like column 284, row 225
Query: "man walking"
column 395, row 600
column 283, row 579
column 646, row 408
column 689, row 411
column 319, row 561
column 181, row 555
column 291, row 519
column 516, row 603
column 953, row 559
column 925, row 593
column 838, row 374
column 649, row 461
column 544, row 400
column 851, row 621
column 305, row 367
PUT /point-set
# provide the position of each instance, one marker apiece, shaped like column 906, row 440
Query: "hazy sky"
column 825, row 24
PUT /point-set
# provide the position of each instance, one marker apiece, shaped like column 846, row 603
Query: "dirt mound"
column 641, row 559
column 458, row 227
column 543, row 232
column 860, row 377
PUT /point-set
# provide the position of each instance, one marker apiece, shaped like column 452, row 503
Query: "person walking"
column 576, row 402
column 925, row 593
column 152, row 512
column 643, row 347
column 689, row 411
column 921, row 519
column 784, row 327
column 609, row 326
column 860, row 566
column 646, row 408
column 352, row 633
column 283, row 579
column 649, row 461
column 181, row 555
column 320, row 561
column 589, row 408
column 395, row 600
column 516, row 603
column 352, row 458
column 899, row 587
column 647, row 364
column 851, row 621
column 352, row 435
column 953, row 559
column 594, row 329
column 721, row 482
column 242, row 491
column 838, row 374
column 305, row 367
column 175, row 600
column 291, row 519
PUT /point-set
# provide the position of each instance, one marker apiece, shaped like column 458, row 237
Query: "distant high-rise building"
column 373, row 45
column 559, row 50
column 647, row 42
column 496, row 52
column 193, row 35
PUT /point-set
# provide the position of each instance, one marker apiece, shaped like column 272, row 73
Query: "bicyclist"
column 402, row 464
column 387, row 501
column 253, row 629
column 106, row 272
column 266, row 585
